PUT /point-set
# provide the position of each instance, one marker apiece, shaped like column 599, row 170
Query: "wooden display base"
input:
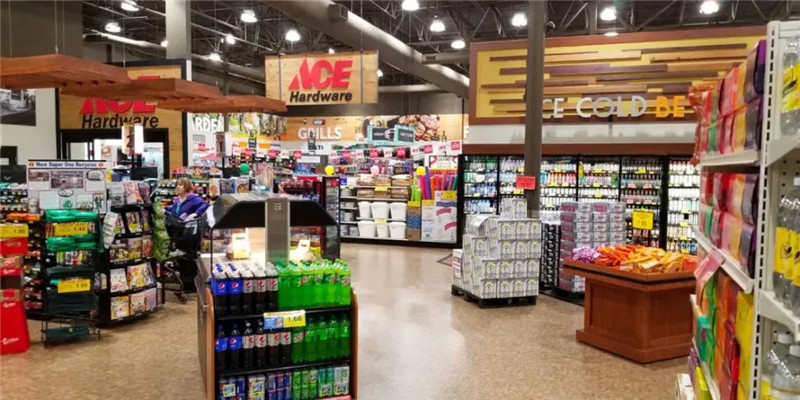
column 644, row 318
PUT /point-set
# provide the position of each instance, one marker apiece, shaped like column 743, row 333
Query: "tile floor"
column 417, row 341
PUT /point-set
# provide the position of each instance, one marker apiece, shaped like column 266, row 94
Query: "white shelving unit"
column 745, row 158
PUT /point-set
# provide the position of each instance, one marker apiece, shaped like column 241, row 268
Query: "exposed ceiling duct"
column 335, row 21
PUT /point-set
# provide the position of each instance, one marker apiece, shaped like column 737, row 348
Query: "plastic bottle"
column 272, row 287
column 786, row 378
column 273, row 348
column 286, row 347
column 783, row 250
column 344, row 287
column 248, row 347
column 775, row 359
column 219, row 286
column 285, row 289
column 331, row 285
column 235, row 348
column 261, row 346
column 234, row 290
column 298, row 336
column 333, row 338
column 344, row 336
column 310, row 341
column 791, row 56
column 322, row 339
column 248, row 291
column 790, row 248
column 220, row 349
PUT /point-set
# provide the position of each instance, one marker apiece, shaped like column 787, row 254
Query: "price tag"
column 684, row 238
column 346, row 154
column 598, row 195
column 565, row 184
column 74, row 285
column 648, row 186
column 598, row 171
column 684, row 224
column 71, row 228
column 13, row 231
column 641, row 171
column 557, row 170
column 526, row 182
column 373, row 153
column 284, row 319
column 381, row 188
column 642, row 219
column 597, row 185
column 517, row 191
column 553, row 184
column 449, row 195
column 685, row 251
column 685, row 212
column 380, row 221
column 428, row 203
column 520, row 170
column 413, row 204
column 298, row 154
column 631, row 186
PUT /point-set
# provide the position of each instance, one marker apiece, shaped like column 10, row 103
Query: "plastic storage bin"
column 366, row 229
column 397, row 230
column 398, row 211
column 380, row 210
column 364, row 209
column 383, row 230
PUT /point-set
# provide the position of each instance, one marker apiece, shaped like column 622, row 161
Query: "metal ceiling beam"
column 656, row 15
column 359, row 34
column 446, row 58
column 501, row 21
column 572, row 18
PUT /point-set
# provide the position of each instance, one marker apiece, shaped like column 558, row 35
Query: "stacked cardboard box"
column 501, row 257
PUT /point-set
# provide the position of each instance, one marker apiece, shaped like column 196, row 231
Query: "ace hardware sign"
column 308, row 79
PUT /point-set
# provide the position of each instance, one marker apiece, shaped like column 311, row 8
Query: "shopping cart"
column 179, row 269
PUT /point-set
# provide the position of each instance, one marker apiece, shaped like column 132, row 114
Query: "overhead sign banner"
column 308, row 79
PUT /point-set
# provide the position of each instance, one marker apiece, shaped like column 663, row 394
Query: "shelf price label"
column 557, row 170
column 449, row 195
column 597, row 185
column 684, row 224
column 284, row 319
column 71, row 228
column 381, row 188
column 526, row 182
column 642, row 219
column 74, row 285
column 13, row 231
column 598, row 195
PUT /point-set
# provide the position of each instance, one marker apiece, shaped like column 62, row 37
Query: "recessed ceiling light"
column 214, row 56
column 129, row 5
column 248, row 16
column 410, row 5
column 458, row 44
column 437, row 25
column 230, row 39
column 519, row 20
column 164, row 43
column 709, row 7
column 608, row 14
column 611, row 34
column 293, row 35
column 331, row 50
column 113, row 27
column 380, row 74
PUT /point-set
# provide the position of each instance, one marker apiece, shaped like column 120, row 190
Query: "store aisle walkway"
column 416, row 342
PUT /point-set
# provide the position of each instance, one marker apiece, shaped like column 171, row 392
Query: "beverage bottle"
column 260, row 292
column 310, row 341
column 273, row 348
column 322, row 339
column 344, row 336
column 333, row 285
column 786, row 378
column 219, row 287
column 248, row 347
column 775, row 359
column 317, row 286
column 261, row 346
column 785, row 242
column 234, row 290
column 344, row 287
column 333, row 338
column 272, row 287
column 286, row 347
column 235, row 348
column 248, row 291
column 220, row 349
column 298, row 334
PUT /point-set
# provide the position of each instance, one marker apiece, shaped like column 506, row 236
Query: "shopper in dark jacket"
column 186, row 205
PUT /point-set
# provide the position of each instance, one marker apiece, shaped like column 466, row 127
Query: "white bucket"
column 398, row 210
column 364, row 209
column 366, row 229
column 347, row 216
column 397, row 230
column 383, row 230
column 380, row 210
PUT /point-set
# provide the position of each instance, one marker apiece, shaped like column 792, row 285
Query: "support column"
column 534, row 93
column 179, row 29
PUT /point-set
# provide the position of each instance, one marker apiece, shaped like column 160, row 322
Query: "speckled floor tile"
column 416, row 342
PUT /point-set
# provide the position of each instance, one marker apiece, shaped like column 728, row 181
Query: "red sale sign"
column 346, row 154
column 274, row 153
column 428, row 149
column 401, row 152
column 526, row 182
column 373, row 153
column 298, row 154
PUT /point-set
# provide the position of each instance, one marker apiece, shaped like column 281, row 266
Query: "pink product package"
column 733, row 197
column 721, row 184
column 706, row 186
column 716, row 226
column 750, row 198
column 731, row 234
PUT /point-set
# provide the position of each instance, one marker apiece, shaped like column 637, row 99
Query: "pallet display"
column 251, row 345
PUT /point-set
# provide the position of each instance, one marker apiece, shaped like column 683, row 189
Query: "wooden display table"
column 642, row 317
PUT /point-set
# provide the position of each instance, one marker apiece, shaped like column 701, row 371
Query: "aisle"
column 417, row 342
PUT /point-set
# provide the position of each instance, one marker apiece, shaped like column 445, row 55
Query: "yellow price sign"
column 74, row 285
column 685, row 212
column 380, row 220
column 413, row 204
column 685, row 251
column 381, row 188
column 430, row 203
column 641, row 171
column 598, row 195
column 449, row 195
column 555, row 184
column 642, row 219
column 597, row 185
column 684, row 238
column 684, row 224
column 284, row 319
column 71, row 228
column 557, row 170
column 13, row 231
column 565, row 184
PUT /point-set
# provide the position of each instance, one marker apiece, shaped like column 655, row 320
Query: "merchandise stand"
column 277, row 214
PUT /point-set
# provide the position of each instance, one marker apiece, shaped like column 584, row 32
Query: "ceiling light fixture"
column 293, row 35
column 129, row 5
column 248, row 16
column 113, row 27
column 519, row 20
column 214, row 56
column 230, row 39
column 331, row 50
column 608, row 14
column 380, row 74
column 458, row 44
column 164, row 43
column 410, row 5
column 709, row 7
column 611, row 33
column 437, row 25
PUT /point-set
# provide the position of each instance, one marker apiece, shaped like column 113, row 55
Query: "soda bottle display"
column 333, row 338
column 273, row 348
column 248, row 291
column 298, row 335
column 286, row 348
column 234, row 290
column 248, row 347
column 234, row 349
column 220, row 349
column 344, row 287
column 271, row 287
column 322, row 339
column 344, row 337
column 219, row 287
column 261, row 346
column 310, row 341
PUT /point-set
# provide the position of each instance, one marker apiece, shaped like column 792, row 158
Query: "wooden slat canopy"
column 148, row 89
column 227, row 104
column 57, row 71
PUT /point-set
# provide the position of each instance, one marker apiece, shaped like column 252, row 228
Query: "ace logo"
column 322, row 76
column 92, row 107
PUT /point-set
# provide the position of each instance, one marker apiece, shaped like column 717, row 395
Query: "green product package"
column 57, row 243
column 59, row 215
column 85, row 216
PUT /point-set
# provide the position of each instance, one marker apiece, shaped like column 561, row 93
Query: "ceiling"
column 471, row 20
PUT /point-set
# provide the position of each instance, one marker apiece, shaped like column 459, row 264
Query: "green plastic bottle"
column 301, row 286
column 322, row 339
column 333, row 338
column 344, row 336
column 310, row 341
column 283, row 285
column 318, row 274
column 298, row 336
column 344, row 284
column 331, row 286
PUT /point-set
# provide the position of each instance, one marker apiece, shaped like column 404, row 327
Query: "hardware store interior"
column 400, row 199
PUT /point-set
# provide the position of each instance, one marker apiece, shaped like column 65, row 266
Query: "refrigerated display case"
column 684, row 203
column 598, row 178
column 559, row 181
column 325, row 191
column 480, row 184
column 640, row 189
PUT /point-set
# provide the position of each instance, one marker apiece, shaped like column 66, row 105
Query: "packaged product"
column 706, row 186
column 486, row 288
column 616, row 217
column 519, row 288
column 753, row 117
column 576, row 217
column 705, row 216
column 506, row 269
column 721, row 185
column 600, row 227
column 523, row 229
column 521, row 249
column 601, row 207
column 504, row 287
column 532, row 269
column 739, row 130
column 716, row 225
column 617, row 226
column 735, row 194
column 507, row 229
column 520, row 269
column 731, row 234
column 507, row 249
column 754, row 81
column 748, row 245
column 749, row 198
column 724, row 134
column 712, row 137
column 600, row 217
